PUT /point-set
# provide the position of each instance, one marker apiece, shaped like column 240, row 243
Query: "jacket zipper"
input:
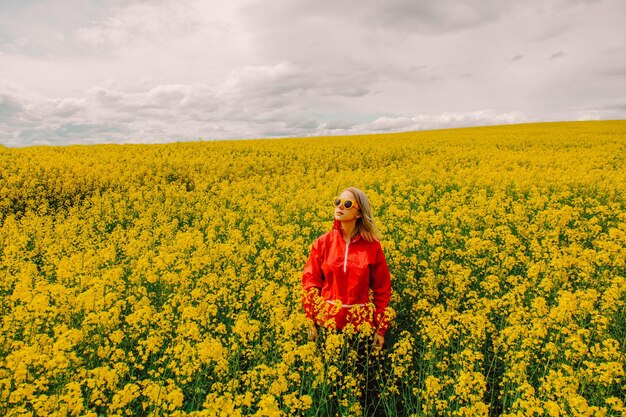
column 345, row 258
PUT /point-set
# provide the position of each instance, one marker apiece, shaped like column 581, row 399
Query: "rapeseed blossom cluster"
column 165, row 279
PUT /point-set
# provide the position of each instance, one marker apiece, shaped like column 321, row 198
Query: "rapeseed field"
column 165, row 279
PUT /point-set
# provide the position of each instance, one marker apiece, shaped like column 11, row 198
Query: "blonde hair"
column 365, row 224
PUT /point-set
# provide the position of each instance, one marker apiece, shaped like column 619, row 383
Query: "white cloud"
column 189, row 112
column 262, row 80
column 138, row 70
column 445, row 120
column 140, row 23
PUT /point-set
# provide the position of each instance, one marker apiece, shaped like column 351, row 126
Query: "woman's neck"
column 347, row 229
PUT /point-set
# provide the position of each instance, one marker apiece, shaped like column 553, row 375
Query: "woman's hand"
column 312, row 333
column 379, row 341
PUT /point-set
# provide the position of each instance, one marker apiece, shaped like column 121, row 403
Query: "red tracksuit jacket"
column 347, row 277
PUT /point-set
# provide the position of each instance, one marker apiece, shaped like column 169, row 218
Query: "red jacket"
column 338, row 279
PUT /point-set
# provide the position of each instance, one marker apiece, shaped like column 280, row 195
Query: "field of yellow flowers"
column 165, row 279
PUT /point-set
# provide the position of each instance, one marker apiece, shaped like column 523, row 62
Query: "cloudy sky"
column 130, row 71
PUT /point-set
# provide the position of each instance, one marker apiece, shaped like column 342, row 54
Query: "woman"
column 345, row 266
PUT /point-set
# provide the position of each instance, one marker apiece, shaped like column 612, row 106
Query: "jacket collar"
column 337, row 226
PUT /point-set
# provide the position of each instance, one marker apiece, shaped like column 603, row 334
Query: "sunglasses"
column 346, row 203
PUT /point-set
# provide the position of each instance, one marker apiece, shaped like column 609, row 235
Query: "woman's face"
column 344, row 214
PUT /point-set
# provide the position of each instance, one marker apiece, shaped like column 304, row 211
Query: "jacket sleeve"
column 380, row 284
column 312, row 281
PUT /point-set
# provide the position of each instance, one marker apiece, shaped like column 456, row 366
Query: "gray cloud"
column 407, row 16
column 74, row 132
column 557, row 55
column 430, row 18
column 136, row 24
column 127, row 71
column 339, row 125
column 613, row 72
column 188, row 112
column 605, row 110
column 9, row 107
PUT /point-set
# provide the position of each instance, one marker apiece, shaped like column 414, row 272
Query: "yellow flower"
column 166, row 279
